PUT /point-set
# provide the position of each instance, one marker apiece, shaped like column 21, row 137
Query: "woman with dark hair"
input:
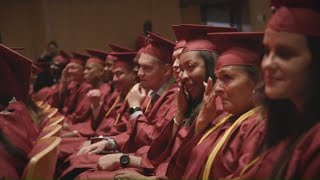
column 290, row 69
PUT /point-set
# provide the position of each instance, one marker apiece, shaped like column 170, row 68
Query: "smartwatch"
column 134, row 109
column 124, row 160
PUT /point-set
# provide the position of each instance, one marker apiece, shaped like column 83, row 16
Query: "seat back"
column 39, row 103
column 44, row 106
column 55, row 120
column 42, row 163
column 50, row 112
column 51, row 131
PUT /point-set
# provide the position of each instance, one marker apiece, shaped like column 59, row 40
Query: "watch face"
column 131, row 110
column 134, row 109
column 124, row 159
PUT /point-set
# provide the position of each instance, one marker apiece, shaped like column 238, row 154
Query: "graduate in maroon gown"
column 16, row 125
column 73, row 87
column 160, row 109
column 291, row 73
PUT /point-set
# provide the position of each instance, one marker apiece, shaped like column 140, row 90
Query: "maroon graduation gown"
column 20, row 117
column 302, row 163
column 143, row 129
column 237, row 151
column 162, row 149
column 106, row 128
column 19, row 131
column 72, row 97
column 7, row 165
column 82, row 112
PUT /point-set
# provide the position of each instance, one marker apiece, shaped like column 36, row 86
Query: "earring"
column 254, row 92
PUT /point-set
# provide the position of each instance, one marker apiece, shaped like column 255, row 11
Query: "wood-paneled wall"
column 80, row 24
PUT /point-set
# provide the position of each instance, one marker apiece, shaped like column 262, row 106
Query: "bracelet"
column 175, row 121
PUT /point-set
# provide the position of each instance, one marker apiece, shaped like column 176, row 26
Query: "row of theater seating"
column 44, row 155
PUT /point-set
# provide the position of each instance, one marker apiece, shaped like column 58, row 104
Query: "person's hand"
column 126, row 174
column 208, row 108
column 182, row 103
column 94, row 97
column 136, row 95
column 110, row 162
column 65, row 76
column 74, row 133
column 94, row 148
column 85, row 144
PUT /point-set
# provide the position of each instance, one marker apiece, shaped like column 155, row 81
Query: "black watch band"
column 134, row 109
column 124, row 160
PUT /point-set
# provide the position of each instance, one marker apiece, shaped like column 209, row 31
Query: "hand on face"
column 65, row 74
column 208, row 108
column 94, row 97
column 182, row 103
column 110, row 162
column 94, row 148
column 136, row 95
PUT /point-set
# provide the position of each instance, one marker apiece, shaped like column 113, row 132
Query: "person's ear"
column 101, row 71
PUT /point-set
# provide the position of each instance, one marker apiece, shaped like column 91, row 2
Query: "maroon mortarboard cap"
column 140, row 42
column 239, row 48
column 159, row 47
column 64, row 54
column 313, row 4
column 15, row 74
column 296, row 16
column 196, row 36
column 117, row 48
column 79, row 58
column 180, row 37
column 140, row 52
column 64, row 59
column 97, row 56
column 274, row 4
column 123, row 58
